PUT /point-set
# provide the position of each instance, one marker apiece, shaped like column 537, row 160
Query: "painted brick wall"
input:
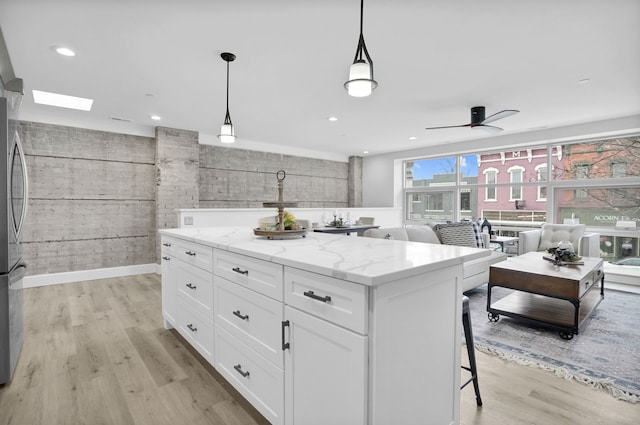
column 177, row 169
column 96, row 199
column 91, row 199
column 239, row 178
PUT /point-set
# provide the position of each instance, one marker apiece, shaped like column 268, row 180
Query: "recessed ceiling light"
column 62, row 100
column 365, row 151
column 412, row 138
column 155, row 117
column 332, row 118
column 584, row 81
column 64, row 51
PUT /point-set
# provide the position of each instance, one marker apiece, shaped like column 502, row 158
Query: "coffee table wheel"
column 493, row 317
column 566, row 335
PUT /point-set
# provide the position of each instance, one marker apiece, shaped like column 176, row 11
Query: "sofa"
column 548, row 236
column 474, row 273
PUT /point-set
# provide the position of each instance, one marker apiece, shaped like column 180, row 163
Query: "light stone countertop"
column 367, row 261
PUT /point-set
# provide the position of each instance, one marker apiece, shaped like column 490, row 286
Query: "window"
column 541, row 174
column 465, row 200
column 430, row 172
column 516, row 177
column 581, row 172
column 514, row 188
column 436, row 205
column 490, row 178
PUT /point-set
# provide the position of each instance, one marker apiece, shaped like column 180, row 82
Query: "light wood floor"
column 96, row 353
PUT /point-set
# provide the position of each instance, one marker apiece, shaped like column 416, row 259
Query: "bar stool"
column 468, row 336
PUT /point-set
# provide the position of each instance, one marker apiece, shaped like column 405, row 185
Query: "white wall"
column 382, row 174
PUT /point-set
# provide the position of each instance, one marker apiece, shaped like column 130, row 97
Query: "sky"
column 425, row 169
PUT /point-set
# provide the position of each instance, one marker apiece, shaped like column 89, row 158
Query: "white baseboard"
column 79, row 276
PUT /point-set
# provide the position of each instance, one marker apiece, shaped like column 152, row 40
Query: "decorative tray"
column 280, row 234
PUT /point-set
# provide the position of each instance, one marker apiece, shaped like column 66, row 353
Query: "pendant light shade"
column 361, row 82
column 227, row 133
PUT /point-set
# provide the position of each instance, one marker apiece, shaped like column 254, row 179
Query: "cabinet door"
column 169, row 277
column 325, row 372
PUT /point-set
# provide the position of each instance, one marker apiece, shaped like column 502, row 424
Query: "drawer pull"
column 285, row 345
column 237, row 270
column 192, row 328
column 166, row 244
column 310, row 294
column 166, row 258
column 240, row 315
column 190, row 286
column 193, row 254
column 238, row 369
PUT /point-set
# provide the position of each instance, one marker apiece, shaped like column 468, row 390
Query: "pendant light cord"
column 361, row 38
column 361, row 14
column 362, row 47
column 227, row 118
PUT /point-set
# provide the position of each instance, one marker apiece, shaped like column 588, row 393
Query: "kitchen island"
column 323, row 329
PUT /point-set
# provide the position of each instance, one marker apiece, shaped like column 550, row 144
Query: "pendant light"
column 227, row 134
column 361, row 82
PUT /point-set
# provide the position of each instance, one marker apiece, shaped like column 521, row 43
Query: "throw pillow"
column 477, row 230
column 461, row 234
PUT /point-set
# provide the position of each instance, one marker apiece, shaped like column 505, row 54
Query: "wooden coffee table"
column 558, row 297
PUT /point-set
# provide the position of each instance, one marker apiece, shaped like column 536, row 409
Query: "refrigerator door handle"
column 25, row 182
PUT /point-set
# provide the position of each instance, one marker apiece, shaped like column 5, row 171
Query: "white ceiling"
column 433, row 61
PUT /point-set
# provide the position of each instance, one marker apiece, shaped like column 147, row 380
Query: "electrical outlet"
column 188, row 220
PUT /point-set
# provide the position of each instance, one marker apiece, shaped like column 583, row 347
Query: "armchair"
column 548, row 236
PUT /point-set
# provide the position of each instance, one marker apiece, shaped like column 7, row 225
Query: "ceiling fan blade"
column 499, row 115
column 448, row 126
column 488, row 128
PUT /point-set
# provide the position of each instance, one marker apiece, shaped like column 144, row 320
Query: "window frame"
column 491, row 185
column 558, row 176
column 516, row 185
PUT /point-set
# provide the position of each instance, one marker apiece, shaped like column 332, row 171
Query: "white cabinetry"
column 308, row 337
column 169, row 275
column 189, row 292
column 248, row 340
column 326, row 372
column 326, row 359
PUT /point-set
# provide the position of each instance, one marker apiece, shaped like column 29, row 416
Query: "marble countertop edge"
column 366, row 261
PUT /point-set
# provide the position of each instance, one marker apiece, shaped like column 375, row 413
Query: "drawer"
column 340, row 302
column 251, row 317
column 193, row 253
column 196, row 329
column 594, row 278
column 259, row 275
column 196, row 287
column 257, row 379
column 168, row 246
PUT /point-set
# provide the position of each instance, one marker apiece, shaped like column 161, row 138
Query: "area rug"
column 605, row 354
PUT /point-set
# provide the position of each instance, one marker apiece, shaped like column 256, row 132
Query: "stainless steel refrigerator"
column 13, row 208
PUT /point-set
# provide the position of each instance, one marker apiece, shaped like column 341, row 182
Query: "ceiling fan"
column 479, row 121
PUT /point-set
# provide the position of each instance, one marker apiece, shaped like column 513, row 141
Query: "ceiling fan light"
column 227, row 134
column 360, row 83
